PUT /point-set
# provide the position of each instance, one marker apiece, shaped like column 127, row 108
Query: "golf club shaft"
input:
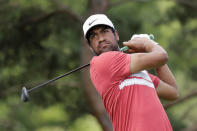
column 56, row 78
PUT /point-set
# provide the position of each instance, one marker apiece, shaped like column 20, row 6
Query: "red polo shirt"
column 130, row 99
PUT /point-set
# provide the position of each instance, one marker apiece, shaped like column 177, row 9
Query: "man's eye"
column 105, row 30
column 92, row 36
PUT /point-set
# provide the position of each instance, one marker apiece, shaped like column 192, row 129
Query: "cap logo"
column 92, row 22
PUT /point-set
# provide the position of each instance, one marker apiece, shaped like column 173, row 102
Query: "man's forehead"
column 98, row 27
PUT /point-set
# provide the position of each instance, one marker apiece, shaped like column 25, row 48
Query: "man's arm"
column 145, row 54
column 167, row 87
column 154, row 57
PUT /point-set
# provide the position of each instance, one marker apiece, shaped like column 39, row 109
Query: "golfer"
column 130, row 94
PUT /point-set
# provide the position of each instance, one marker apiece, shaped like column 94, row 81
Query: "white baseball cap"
column 97, row 19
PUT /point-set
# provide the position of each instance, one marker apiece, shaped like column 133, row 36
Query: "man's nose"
column 101, row 38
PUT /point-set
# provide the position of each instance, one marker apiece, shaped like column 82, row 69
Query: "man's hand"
column 139, row 44
column 146, row 54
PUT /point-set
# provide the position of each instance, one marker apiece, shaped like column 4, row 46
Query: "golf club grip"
column 56, row 78
column 125, row 48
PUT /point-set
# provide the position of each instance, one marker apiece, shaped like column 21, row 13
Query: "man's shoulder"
column 103, row 59
column 106, row 55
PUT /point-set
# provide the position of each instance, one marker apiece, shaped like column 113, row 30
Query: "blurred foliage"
column 34, row 52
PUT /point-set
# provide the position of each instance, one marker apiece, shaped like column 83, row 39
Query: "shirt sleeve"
column 155, row 80
column 113, row 65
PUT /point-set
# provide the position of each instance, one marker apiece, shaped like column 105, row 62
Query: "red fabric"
column 130, row 99
column 154, row 79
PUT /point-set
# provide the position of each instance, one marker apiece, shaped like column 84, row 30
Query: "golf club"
column 25, row 92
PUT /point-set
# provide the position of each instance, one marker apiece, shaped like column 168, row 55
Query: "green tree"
column 43, row 39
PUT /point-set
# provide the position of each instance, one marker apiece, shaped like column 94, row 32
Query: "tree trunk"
column 95, row 6
column 98, row 6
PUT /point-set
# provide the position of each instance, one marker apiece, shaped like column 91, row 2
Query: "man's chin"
column 103, row 51
column 106, row 50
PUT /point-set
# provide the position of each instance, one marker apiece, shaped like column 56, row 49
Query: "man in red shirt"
column 129, row 93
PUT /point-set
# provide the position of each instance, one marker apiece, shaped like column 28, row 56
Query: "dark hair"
column 88, row 33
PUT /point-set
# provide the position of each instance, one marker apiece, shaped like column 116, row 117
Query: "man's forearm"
column 157, row 53
column 166, row 75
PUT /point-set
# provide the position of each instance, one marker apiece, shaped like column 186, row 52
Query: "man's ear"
column 91, row 48
column 116, row 35
column 87, row 44
column 92, row 51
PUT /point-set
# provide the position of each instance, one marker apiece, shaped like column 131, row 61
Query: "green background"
column 34, row 50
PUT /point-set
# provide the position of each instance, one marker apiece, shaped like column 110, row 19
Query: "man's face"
column 103, row 39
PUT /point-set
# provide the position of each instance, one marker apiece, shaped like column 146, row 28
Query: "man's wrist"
column 158, row 69
column 150, row 45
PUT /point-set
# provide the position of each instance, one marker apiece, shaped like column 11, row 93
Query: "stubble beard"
column 111, row 47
